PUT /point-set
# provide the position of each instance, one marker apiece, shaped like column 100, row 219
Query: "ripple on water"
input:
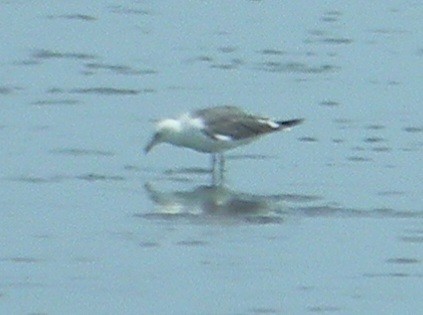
column 413, row 129
column 403, row 261
column 331, row 16
column 81, row 152
column 412, row 239
column 340, row 211
column 118, row 69
column 91, row 177
column 248, row 156
column 375, row 127
column 295, row 67
column 413, row 236
column 56, row 102
column 391, row 193
column 272, row 52
column 336, row 40
column 37, row 179
column 110, row 91
column 232, row 64
column 307, row 139
column 321, row 210
column 378, row 142
column 186, row 170
column 264, row 310
column 55, row 90
column 356, row 158
column 381, row 149
column 227, row 49
column 120, row 9
column 338, row 140
column 6, row 90
column 149, row 244
column 201, row 58
column 392, row 213
column 192, row 243
column 329, row 103
column 20, row 260
column 100, row 91
column 45, row 54
column 386, row 31
column 79, row 17
column 324, row 309
column 374, row 139
column 326, row 37
column 391, row 275
column 320, row 37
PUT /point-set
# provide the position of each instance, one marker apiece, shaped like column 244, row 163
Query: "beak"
column 153, row 142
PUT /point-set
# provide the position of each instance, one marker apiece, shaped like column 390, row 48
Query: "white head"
column 165, row 129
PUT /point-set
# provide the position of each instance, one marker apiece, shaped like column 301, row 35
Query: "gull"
column 215, row 130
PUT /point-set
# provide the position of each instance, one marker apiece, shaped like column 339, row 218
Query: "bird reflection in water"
column 208, row 202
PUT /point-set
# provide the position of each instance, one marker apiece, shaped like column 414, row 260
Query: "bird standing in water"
column 216, row 130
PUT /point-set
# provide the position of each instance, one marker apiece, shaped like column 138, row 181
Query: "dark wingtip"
column 290, row 123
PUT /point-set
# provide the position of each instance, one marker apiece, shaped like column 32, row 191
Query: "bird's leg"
column 213, row 162
column 221, row 167
column 218, row 168
column 213, row 168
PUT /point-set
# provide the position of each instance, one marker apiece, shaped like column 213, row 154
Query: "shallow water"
column 325, row 219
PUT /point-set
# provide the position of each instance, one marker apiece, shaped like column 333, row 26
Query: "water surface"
column 324, row 219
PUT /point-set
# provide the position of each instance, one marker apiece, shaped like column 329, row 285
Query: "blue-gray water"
column 325, row 219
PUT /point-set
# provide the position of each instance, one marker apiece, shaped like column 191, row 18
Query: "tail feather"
column 289, row 123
